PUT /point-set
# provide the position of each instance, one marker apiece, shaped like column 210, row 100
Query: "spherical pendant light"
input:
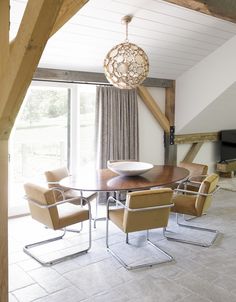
column 126, row 65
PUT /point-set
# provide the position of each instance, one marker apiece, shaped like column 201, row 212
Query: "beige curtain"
column 116, row 125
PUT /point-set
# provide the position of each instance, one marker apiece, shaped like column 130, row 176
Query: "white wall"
column 208, row 154
column 217, row 116
column 151, row 147
column 203, row 83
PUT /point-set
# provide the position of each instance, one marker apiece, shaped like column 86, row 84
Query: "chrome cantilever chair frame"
column 69, row 199
column 27, row 247
column 184, row 183
column 58, row 186
column 125, row 265
column 203, row 244
column 95, row 219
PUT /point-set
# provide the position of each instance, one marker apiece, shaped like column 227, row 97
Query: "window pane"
column 87, row 125
column 39, row 141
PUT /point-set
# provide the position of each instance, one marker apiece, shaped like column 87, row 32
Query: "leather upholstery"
column 208, row 186
column 56, row 217
column 196, row 205
column 129, row 221
column 57, row 175
column 184, row 204
column 194, row 169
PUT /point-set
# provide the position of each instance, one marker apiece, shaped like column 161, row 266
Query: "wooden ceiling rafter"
column 225, row 10
column 69, row 9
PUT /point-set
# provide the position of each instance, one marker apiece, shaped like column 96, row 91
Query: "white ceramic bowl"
column 129, row 168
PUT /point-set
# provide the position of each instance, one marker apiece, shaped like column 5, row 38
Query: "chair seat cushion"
column 184, row 204
column 76, row 194
column 70, row 214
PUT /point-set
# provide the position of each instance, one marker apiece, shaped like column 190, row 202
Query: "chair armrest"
column 197, row 193
column 53, row 182
column 110, row 199
column 191, row 178
column 43, row 206
column 138, row 209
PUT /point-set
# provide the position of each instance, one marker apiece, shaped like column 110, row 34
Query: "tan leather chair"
column 195, row 170
column 143, row 210
column 53, row 178
column 197, row 173
column 194, row 203
column 55, row 215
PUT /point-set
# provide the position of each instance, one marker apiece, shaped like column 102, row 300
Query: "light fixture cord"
column 126, row 32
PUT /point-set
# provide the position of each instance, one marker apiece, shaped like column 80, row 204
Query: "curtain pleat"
column 116, row 125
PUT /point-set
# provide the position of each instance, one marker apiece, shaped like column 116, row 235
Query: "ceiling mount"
column 126, row 19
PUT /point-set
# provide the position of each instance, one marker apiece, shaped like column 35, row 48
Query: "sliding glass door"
column 55, row 127
column 39, row 141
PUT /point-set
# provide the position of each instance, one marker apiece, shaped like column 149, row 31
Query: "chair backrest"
column 147, row 219
column 194, row 169
column 55, row 176
column 44, row 196
column 207, row 187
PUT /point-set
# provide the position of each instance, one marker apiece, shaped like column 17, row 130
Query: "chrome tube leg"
column 192, row 217
column 107, row 226
column 90, row 226
column 27, row 248
column 46, row 241
column 74, row 230
column 96, row 214
column 129, row 267
column 127, row 238
column 203, row 244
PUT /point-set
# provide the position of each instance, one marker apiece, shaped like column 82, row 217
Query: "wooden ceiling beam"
column 225, row 10
column 25, row 52
column 67, row 11
column 4, row 33
column 75, row 76
column 192, row 153
column 154, row 108
column 197, row 137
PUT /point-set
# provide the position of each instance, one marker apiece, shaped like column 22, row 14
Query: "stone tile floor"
column 197, row 274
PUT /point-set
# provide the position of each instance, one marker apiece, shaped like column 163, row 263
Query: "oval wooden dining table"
column 104, row 180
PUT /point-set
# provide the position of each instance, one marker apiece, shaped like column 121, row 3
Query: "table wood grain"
column 106, row 180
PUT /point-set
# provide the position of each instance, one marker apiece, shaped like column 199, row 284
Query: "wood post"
column 170, row 147
column 18, row 61
column 4, row 220
column 4, row 55
column 166, row 121
column 4, row 34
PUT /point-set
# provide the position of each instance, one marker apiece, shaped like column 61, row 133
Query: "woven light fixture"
column 126, row 65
